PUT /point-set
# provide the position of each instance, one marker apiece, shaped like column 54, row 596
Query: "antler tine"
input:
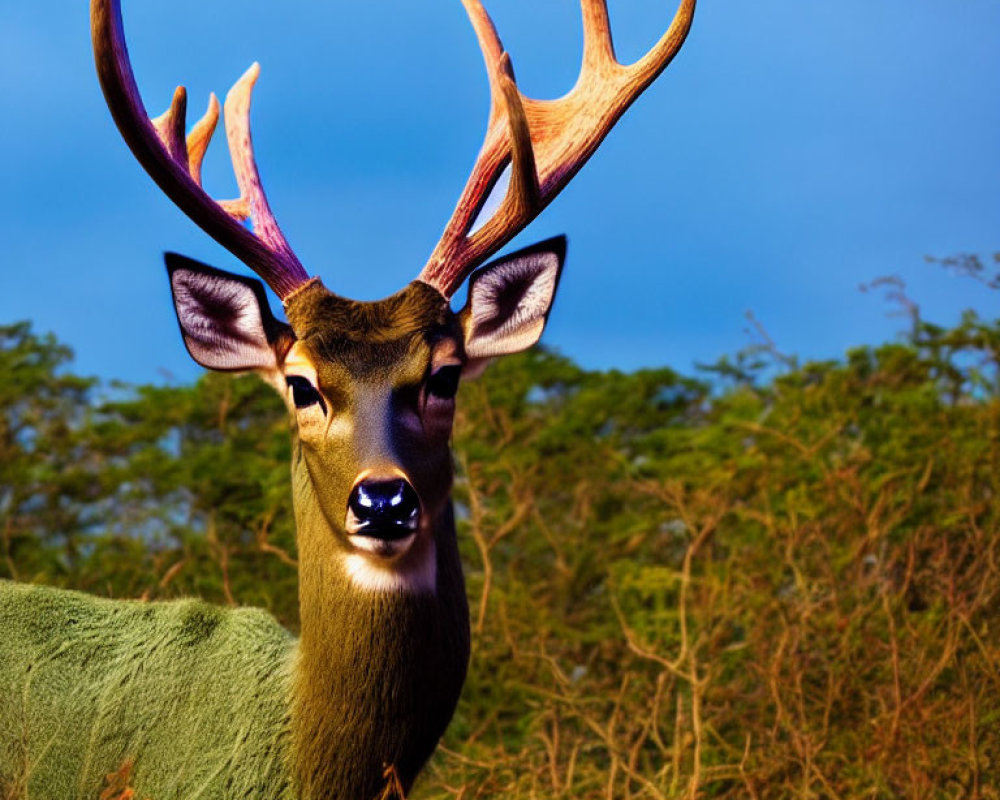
column 237, row 111
column 174, row 161
column 545, row 142
column 492, row 49
column 598, row 49
column 201, row 136
column 170, row 126
column 507, row 140
column 648, row 68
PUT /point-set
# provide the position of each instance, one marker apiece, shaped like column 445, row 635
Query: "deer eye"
column 444, row 382
column 304, row 394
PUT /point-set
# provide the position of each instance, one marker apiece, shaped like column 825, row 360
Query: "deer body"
column 193, row 701
column 190, row 698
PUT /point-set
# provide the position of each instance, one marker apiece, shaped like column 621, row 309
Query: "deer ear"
column 225, row 319
column 509, row 302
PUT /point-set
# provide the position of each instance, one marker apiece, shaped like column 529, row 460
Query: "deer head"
column 371, row 386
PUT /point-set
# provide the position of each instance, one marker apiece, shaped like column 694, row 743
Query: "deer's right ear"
column 225, row 319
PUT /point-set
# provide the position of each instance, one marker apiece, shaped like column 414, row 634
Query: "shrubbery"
column 781, row 581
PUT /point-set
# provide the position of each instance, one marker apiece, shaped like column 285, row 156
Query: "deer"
column 184, row 699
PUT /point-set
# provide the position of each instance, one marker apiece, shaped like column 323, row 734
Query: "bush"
column 780, row 582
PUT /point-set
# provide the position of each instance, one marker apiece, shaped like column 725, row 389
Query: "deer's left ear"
column 509, row 302
column 225, row 319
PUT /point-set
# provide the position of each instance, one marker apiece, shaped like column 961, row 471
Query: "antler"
column 174, row 161
column 545, row 142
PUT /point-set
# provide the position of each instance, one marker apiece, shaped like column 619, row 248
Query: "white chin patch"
column 385, row 548
column 393, row 566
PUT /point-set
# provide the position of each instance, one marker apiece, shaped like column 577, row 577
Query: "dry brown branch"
column 220, row 551
column 264, row 544
column 172, row 572
column 393, row 786
column 118, row 784
column 807, row 451
column 476, row 529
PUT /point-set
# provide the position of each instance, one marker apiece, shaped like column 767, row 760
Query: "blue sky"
column 794, row 150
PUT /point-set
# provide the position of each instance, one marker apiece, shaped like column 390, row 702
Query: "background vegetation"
column 775, row 580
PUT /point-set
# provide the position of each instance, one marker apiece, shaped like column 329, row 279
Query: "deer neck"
column 378, row 672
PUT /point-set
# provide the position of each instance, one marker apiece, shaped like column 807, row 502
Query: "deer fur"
column 87, row 684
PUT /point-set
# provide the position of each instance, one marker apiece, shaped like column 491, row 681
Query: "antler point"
column 243, row 88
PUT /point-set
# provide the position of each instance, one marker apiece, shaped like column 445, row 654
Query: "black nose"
column 385, row 509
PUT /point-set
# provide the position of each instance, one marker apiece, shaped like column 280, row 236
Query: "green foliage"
column 204, row 475
column 146, row 491
column 45, row 471
column 780, row 582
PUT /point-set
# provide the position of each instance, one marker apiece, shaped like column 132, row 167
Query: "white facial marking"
column 411, row 575
column 385, row 548
column 297, row 362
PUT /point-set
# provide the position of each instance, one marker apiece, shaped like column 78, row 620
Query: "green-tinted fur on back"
column 196, row 696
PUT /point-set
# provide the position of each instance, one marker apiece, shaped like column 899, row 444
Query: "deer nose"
column 384, row 509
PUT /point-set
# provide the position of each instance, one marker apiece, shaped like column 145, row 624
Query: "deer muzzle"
column 383, row 515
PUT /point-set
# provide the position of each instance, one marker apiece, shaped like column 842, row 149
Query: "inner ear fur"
column 509, row 302
column 225, row 319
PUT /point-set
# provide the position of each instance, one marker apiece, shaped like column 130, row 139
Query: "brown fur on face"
column 370, row 361
column 369, row 338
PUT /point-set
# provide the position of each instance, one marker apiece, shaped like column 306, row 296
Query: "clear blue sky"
column 795, row 149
